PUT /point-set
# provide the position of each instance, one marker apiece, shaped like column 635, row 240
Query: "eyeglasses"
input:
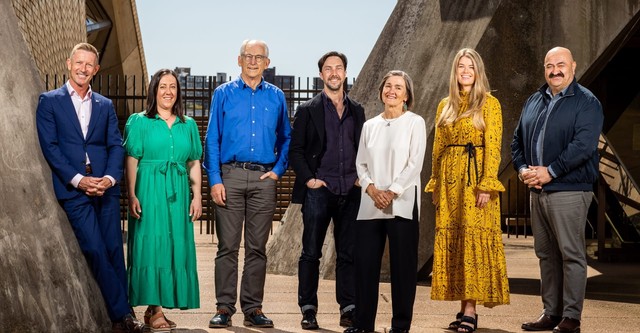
column 249, row 57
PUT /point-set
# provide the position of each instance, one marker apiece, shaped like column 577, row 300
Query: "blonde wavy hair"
column 476, row 97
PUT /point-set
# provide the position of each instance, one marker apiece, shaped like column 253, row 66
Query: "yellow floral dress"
column 468, row 258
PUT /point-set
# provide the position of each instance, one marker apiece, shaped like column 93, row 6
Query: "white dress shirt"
column 83, row 109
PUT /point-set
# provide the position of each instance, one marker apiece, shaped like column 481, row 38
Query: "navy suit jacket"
column 308, row 141
column 64, row 147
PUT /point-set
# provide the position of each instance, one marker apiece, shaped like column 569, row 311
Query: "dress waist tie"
column 470, row 149
column 165, row 168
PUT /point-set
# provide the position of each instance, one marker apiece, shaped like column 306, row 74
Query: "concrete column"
column 421, row 38
column 45, row 283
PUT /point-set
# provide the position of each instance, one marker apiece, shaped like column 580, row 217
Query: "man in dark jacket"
column 322, row 153
column 554, row 150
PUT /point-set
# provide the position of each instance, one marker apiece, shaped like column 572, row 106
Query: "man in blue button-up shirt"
column 246, row 150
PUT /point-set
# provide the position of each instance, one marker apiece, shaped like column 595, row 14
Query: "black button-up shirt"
column 338, row 164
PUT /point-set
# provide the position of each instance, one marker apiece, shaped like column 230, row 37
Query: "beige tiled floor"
column 612, row 304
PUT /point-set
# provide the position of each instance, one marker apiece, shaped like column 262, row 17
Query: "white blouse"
column 390, row 156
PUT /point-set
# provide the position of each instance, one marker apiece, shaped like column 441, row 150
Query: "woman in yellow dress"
column 468, row 261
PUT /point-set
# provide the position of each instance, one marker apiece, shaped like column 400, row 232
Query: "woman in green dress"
column 163, row 161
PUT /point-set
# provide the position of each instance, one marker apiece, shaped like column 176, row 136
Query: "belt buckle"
column 244, row 166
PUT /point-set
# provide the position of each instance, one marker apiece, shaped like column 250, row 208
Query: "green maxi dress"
column 161, row 253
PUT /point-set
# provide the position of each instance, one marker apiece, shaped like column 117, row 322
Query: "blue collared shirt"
column 538, row 147
column 247, row 125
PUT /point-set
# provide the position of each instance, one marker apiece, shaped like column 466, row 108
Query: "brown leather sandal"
column 158, row 323
column 149, row 313
column 171, row 323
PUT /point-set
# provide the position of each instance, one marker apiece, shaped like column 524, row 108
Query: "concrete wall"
column 45, row 284
column 124, row 54
column 51, row 29
column 421, row 38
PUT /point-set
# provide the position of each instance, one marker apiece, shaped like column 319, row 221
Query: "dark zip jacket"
column 570, row 141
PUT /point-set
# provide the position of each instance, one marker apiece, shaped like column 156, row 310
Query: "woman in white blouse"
column 389, row 161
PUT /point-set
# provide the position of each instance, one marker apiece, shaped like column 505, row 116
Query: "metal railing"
column 514, row 208
column 129, row 95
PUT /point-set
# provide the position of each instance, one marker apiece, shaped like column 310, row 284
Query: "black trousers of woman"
column 403, row 237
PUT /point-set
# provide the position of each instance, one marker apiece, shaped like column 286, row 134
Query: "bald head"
column 559, row 69
column 559, row 50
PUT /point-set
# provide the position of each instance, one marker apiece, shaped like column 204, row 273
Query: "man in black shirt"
column 322, row 153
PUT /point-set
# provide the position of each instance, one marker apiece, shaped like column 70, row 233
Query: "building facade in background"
column 51, row 29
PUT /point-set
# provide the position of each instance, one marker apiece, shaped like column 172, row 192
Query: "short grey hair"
column 254, row 41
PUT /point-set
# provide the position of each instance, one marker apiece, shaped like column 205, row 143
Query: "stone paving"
column 612, row 304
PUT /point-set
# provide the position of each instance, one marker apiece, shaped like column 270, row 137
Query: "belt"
column 251, row 166
column 470, row 149
column 87, row 169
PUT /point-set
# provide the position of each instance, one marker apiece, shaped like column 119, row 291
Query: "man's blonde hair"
column 85, row 47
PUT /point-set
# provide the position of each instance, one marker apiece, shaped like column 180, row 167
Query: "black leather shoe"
column 544, row 323
column 257, row 319
column 355, row 330
column 128, row 324
column 309, row 321
column 395, row 330
column 346, row 318
column 568, row 325
column 222, row 319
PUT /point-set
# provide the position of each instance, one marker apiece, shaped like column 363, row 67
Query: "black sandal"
column 468, row 320
column 455, row 324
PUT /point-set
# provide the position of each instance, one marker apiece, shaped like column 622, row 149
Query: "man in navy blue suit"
column 79, row 137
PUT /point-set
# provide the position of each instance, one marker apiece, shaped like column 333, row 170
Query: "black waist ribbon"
column 470, row 149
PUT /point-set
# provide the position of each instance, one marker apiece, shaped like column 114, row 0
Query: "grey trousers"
column 558, row 221
column 252, row 202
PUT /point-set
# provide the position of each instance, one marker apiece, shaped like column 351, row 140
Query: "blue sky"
column 206, row 34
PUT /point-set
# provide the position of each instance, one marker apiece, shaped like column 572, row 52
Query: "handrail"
column 627, row 183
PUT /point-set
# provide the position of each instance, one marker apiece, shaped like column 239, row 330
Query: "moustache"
column 551, row 75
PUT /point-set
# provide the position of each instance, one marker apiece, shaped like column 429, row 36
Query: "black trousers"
column 319, row 209
column 403, row 237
